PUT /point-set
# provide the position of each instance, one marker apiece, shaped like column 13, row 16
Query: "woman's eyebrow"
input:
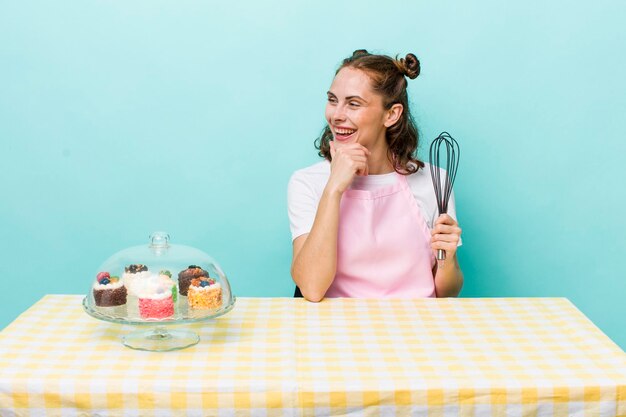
column 330, row 93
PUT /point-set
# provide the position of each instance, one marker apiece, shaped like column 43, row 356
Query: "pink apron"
column 383, row 245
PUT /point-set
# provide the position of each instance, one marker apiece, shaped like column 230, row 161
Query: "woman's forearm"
column 315, row 264
column 449, row 278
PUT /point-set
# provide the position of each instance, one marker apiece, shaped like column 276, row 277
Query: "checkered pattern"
column 288, row 357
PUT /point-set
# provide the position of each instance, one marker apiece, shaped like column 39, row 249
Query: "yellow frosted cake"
column 204, row 294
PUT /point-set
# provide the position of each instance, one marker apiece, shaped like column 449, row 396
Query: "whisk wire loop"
column 443, row 189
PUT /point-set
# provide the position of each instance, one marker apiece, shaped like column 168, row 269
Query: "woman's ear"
column 393, row 114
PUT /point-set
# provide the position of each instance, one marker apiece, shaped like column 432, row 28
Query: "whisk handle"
column 441, row 254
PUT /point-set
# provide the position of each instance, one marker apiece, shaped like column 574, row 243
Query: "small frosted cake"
column 165, row 277
column 155, row 298
column 185, row 277
column 134, row 274
column 204, row 294
column 109, row 291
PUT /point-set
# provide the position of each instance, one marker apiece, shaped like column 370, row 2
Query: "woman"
column 359, row 219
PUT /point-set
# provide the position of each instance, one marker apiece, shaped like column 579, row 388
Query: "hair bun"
column 359, row 53
column 409, row 66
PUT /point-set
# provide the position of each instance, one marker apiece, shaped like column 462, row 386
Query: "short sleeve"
column 302, row 205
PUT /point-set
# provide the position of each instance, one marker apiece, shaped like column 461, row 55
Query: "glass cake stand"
column 158, row 338
column 155, row 286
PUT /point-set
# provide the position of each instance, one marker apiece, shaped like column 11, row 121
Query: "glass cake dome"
column 158, row 284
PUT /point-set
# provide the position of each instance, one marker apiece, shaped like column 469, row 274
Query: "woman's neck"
column 378, row 162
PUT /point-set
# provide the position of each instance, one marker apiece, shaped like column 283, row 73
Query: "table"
column 289, row 357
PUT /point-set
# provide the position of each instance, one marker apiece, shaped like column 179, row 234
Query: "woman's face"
column 354, row 112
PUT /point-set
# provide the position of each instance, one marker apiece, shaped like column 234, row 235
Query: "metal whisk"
column 443, row 187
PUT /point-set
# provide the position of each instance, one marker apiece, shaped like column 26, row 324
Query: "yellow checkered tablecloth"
column 289, row 357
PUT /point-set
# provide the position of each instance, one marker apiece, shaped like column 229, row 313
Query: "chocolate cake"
column 185, row 277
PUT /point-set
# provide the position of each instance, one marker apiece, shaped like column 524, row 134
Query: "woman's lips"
column 344, row 134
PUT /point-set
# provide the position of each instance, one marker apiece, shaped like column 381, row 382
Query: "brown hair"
column 388, row 79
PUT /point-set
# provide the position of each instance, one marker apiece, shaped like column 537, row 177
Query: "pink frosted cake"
column 109, row 291
column 155, row 297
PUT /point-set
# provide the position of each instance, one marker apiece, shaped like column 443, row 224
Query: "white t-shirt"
column 306, row 186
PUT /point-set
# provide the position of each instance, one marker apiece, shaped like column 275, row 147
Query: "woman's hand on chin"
column 347, row 161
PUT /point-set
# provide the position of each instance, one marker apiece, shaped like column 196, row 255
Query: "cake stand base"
column 159, row 339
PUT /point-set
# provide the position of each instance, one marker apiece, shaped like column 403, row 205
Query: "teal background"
column 121, row 118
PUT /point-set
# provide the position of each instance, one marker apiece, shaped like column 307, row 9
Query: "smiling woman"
column 381, row 79
column 359, row 219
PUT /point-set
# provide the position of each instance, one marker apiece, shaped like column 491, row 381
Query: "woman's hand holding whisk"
column 448, row 276
column 445, row 235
